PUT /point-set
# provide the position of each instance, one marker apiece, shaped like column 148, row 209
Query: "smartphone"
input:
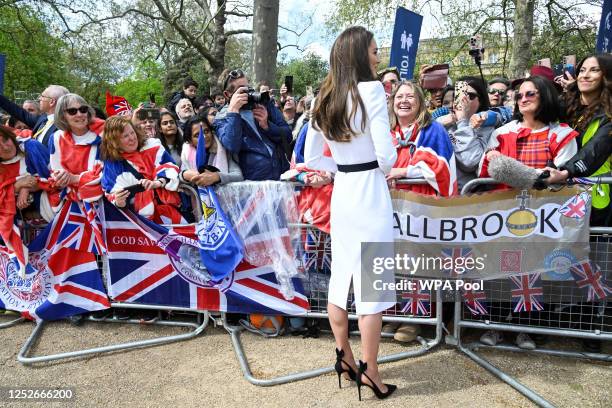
column 148, row 113
column 569, row 65
column 289, row 83
column 460, row 93
column 476, row 46
column 558, row 69
column 388, row 87
column 545, row 62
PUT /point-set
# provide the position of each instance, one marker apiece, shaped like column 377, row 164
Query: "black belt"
column 352, row 168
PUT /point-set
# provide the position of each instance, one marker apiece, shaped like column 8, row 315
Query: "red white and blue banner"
column 151, row 266
column 63, row 278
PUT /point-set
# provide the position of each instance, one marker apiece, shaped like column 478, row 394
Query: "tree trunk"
column 523, row 33
column 218, row 52
column 265, row 38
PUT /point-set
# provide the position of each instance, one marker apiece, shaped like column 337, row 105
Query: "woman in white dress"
column 350, row 116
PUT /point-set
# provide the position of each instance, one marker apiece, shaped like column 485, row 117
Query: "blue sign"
column 604, row 37
column 2, row 67
column 406, row 33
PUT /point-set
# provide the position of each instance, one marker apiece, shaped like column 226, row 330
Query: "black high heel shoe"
column 379, row 394
column 340, row 368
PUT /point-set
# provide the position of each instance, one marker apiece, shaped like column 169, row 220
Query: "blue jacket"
column 34, row 122
column 260, row 152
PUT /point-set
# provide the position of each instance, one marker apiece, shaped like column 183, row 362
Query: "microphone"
column 512, row 172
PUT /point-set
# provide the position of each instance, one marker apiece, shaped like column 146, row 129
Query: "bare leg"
column 370, row 327
column 338, row 320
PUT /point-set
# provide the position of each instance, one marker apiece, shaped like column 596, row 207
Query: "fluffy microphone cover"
column 512, row 172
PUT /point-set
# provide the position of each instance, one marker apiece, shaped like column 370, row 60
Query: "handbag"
column 435, row 77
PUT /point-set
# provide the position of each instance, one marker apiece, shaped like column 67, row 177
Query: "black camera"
column 256, row 97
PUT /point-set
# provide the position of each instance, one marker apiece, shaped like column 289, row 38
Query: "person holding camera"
column 251, row 127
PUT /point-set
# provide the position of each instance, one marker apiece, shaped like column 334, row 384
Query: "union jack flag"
column 416, row 302
column 141, row 272
column 76, row 226
column 475, row 301
column 62, row 281
column 317, row 250
column 527, row 293
column 588, row 275
column 575, row 207
column 455, row 254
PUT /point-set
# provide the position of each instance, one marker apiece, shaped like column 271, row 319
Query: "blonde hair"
column 423, row 117
column 113, row 129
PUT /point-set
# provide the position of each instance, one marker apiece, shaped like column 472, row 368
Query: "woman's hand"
column 121, row 198
column 477, row 119
column 22, row 198
column 447, row 120
column 27, row 181
column 208, row 178
column 150, row 184
column 63, row 178
column 556, row 176
column 565, row 80
column 397, row 173
column 492, row 154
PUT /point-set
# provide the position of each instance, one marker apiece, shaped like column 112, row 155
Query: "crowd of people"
column 68, row 150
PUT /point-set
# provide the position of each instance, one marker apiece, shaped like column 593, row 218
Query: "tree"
column 307, row 71
column 265, row 37
column 34, row 57
column 511, row 21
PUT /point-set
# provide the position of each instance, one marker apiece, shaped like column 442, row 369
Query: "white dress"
column 361, row 209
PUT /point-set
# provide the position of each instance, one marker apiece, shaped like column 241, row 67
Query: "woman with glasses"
column 228, row 170
column 350, row 117
column 468, row 136
column 170, row 136
column 75, row 163
column 535, row 137
column 139, row 172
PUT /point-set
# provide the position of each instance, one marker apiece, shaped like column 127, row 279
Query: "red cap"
column 545, row 72
column 117, row 105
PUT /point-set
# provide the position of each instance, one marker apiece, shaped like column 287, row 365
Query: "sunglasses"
column 529, row 95
column 73, row 111
column 233, row 74
column 472, row 95
column 493, row 91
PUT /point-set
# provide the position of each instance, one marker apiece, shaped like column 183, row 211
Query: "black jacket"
column 34, row 122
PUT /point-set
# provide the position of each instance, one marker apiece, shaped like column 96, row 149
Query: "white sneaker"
column 491, row 337
column 525, row 342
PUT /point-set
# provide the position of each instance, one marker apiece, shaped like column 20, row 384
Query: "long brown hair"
column 113, row 129
column 349, row 64
column 423, row 117
column 580, row 118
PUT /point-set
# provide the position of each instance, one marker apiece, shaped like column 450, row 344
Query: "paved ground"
column 204, row 372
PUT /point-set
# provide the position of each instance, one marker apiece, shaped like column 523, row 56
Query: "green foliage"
column 34, row 57
column 146, row 79
column 307, row 71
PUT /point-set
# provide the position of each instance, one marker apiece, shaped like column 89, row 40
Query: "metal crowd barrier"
column 568, row 318
column 316, row 282
column 25, row 355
